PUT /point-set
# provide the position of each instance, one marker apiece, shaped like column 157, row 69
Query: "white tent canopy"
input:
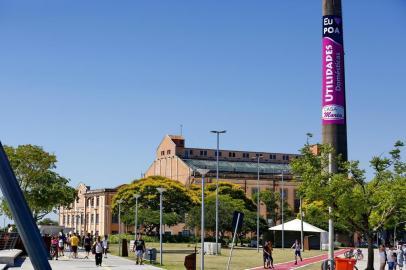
column 294, row 225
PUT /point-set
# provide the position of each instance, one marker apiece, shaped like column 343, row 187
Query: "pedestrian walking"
column 297, row 246
column 74, row 242
column 265, row 254
column 400, row 257
column 270, row 250
column 382, row 257
column 391, row 259
column 98, row 251
column 404, row 252
column 61, row 246
column 105, row 245
column 87, row 243
column 139, row 249
column 54, row 247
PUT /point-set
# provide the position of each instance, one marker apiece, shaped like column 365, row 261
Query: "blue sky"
column 99, row 83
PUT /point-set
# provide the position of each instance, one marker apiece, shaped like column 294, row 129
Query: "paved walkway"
column 362, row 264
column 112, row 262
column 307, row 261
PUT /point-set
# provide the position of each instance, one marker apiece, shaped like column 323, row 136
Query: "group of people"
column 95, row 245
column 392, row 256
column 61, row 243
column 268, row 249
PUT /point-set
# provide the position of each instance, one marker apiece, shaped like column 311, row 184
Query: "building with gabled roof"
column 176, row 161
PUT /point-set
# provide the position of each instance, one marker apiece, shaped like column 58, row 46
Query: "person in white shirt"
column 297, row 247
column 391, row 256
column 105, row 245
column 382, row 257
column 98, row 250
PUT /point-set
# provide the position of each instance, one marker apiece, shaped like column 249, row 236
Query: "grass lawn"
column 243, row 258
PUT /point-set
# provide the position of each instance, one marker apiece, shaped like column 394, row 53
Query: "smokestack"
column 334, row 118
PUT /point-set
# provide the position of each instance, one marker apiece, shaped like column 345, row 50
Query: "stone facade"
column 91, row 212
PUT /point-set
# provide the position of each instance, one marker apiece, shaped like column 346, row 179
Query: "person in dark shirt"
column 139, row 249
column 266, row 254
column 87, row 243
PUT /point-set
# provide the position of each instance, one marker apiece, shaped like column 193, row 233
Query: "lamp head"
column 137, row 196
column 202, row 172
column 161, row 190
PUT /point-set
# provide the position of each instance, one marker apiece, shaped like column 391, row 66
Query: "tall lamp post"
column 301, row 224
column 136, row 196
column 394, row 232
column 258, row 157
column 119, row 225
column 217, row 132
column 161, row 191
column 282, row 210
column 203, row 173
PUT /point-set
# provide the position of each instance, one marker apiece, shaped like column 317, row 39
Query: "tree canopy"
column 177, row 200
column 231, row 198
column 48, row 221
column 358, row 204
column 43, row 188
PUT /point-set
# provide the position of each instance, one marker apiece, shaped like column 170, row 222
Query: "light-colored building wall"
column 90, row 213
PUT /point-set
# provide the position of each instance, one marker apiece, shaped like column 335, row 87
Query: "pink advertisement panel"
column 333, row 99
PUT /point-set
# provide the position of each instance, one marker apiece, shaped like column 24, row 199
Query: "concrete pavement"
column 66, row 263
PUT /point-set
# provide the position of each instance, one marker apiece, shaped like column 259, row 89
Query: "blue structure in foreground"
column 26, row 226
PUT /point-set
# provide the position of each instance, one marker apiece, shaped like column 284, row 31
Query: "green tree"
column 272, row 201
column 234, row 191
column 227, row 206
column 48, row 221
column 363, row 206
column 177, row 201
column 43, row 189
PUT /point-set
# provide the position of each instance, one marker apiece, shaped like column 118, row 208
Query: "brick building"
column 177, row 162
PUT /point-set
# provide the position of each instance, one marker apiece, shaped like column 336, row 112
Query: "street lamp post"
column 282, row 203
column 217, row 132
column 161, row 191
column 119, row 225
column 203, row 173
column 394, row 232
column 258, row 157
column 136, row 196
column 301, row 224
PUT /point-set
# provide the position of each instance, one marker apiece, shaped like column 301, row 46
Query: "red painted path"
column 306, row 261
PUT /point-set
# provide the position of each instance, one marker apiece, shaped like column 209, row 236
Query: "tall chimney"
column 334, row 118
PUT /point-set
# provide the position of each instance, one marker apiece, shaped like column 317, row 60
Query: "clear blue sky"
column 99, row 83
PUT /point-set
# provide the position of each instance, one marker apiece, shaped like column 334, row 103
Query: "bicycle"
column 357, row 255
